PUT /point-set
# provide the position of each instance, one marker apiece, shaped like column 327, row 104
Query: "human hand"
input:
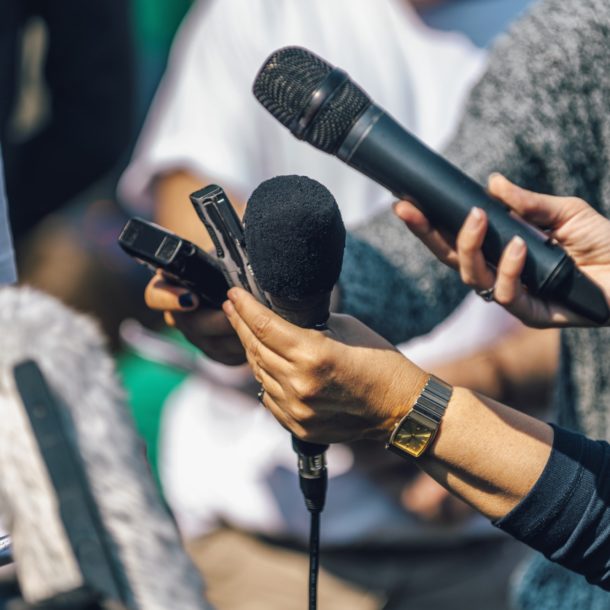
column 208, row 329
column 343, row 385
column 575, row 225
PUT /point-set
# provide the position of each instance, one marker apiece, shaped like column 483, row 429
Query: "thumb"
column 163, row 295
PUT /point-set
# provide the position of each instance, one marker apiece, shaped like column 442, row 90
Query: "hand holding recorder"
column 187, row 277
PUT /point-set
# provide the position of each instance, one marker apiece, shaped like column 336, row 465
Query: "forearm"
column 548, row 488
column 173, row 208
column 487, row 453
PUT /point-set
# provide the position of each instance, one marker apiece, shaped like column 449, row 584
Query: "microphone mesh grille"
column 284, row 86
column 286, row 81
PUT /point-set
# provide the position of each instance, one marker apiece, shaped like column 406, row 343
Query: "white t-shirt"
column 223, row 458
column 205, row 118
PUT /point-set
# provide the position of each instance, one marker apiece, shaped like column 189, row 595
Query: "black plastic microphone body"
column 343, row 121
column 308, row 312
column 380, row 148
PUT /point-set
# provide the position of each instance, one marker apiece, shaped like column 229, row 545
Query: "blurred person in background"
column 66, row 121
column 206, row 127
column 74, row 79
column 71, row 130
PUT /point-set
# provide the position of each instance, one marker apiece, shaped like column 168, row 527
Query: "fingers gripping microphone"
column 320, row 104
column 295, row 240
column 76, row 494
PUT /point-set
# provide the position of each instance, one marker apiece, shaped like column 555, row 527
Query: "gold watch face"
column 412, row 437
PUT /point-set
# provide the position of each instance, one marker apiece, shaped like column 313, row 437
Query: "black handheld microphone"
column 320, row 104
column 295, row 240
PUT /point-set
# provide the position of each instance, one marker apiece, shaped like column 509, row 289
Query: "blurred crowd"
column 114, row 109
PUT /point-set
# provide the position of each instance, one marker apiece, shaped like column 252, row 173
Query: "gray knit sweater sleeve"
column 393, row 284
column 518, row 121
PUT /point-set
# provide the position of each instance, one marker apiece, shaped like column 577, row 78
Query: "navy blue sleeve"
column 566, row 515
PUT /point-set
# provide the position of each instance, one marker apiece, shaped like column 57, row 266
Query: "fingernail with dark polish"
column 186, row 300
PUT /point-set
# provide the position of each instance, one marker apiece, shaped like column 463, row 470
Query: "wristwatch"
column 414, row 433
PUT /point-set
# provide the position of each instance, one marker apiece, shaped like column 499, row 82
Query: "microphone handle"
column 308, row 312
column 379, row 147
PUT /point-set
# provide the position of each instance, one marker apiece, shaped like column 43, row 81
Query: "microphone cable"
column 313, row 480
column 314, row 559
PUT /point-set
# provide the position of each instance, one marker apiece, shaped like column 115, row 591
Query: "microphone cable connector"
column 313, row 476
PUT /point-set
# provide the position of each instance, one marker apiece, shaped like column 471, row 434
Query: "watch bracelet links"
column 427, row 411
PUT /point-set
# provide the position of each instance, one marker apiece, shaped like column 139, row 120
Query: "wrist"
column 414, row 433
column 405, row 387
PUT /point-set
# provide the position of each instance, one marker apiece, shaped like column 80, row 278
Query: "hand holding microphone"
column 292, row 246
column 576, row 226
column 295, row 239
column 330, row 387
column 320, row 104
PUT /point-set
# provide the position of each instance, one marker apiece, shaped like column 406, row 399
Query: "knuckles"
column 260, row 324
column 467, row 278
column 312, row 372
column 302, row 414
column 466, row 244
column 307, row 388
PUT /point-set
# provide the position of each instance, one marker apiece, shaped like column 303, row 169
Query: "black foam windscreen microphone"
column 295, row 239
column 320, row 104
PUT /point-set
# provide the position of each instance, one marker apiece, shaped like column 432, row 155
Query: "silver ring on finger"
column 260, row 395
column 487, row 294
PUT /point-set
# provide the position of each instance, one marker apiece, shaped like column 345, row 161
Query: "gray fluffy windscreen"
column 295, row 237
